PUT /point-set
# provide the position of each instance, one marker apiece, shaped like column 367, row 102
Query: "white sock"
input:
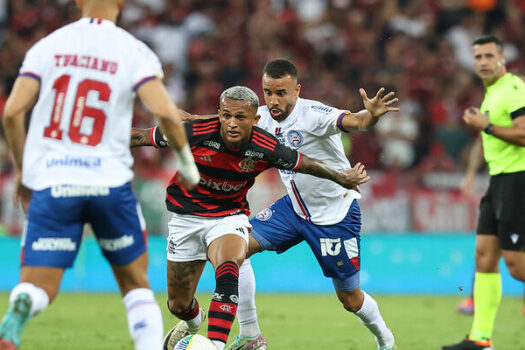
column 246, row 311
column 195, row 323
column 370, row 316
column 144, row 319
column 219, row 344
column 39, row 298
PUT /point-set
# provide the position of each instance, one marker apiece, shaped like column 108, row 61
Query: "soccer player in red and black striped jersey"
column 211, row 220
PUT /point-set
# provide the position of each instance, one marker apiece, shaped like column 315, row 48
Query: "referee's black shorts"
column 502, row 210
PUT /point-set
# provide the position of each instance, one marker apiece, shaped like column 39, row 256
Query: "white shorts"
column 189, row 236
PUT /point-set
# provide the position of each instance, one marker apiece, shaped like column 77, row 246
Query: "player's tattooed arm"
column 350, row 178
column 140, row 137
column 375, row 108
column 148, row 137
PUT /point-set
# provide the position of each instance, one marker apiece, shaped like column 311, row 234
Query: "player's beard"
column 283, row 113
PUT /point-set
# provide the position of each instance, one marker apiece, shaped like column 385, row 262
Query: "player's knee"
column 351, row 302
column 516, row 270
column 486, row 262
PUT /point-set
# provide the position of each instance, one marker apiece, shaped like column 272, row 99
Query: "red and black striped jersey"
column 226, row 175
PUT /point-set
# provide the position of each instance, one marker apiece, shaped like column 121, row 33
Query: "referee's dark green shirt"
column 504, row 101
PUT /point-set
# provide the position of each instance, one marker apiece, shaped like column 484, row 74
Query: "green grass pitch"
column 289, row 322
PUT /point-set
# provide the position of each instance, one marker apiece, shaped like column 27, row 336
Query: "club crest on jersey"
column 295, row 138
column 246, row 165
column 264, row 215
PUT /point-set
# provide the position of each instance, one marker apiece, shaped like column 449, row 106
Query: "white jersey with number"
column 79, row 132
column 313, row 129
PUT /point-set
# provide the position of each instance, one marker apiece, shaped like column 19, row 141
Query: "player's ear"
column 297, row 89
column 256, row 119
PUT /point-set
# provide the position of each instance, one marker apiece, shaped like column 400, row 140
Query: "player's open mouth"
column 275, row 112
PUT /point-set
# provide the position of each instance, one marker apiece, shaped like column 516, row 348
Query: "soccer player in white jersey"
column 74, row 165
column 323, row 214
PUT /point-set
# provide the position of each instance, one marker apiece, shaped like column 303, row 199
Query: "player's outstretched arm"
column 188, row 116
column 148, row 137
column 140, row 137
column 375, row 108
column 155, row 96
column 350, row 178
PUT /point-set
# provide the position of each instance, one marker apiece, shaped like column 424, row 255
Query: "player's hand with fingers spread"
column 354, row 177
column 379, row 104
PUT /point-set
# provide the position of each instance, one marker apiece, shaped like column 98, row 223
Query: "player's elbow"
column 9, row 116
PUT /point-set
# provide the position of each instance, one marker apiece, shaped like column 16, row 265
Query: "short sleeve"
column 147, row 66
column 284, row 158
column 34, row 65
column 516, row 99
column 327, row 120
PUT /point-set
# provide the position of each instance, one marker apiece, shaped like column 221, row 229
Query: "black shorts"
column 502, row 210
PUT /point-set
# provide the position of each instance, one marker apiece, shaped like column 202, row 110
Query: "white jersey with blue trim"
column 314, row 129
column 89, row 72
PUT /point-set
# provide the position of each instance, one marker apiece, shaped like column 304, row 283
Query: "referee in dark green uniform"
column 501, row 225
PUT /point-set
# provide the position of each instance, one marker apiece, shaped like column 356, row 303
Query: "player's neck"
column 108, row 13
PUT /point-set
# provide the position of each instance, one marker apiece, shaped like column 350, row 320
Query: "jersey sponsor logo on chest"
column 87, row 162
column 223, row 186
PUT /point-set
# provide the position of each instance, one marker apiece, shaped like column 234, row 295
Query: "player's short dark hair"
column 280, row 68
column 487, row 39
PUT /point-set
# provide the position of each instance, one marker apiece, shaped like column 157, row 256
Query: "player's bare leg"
column 144, row 316
column 183, row 278
column 365, row 307
column 515, row 261
column 250, row 336
column 226, row 254
column 37, row 289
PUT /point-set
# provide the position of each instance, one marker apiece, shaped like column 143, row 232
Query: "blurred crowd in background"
column 421, row 49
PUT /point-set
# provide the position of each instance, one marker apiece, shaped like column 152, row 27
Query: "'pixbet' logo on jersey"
column 223, row 186
column 264, row 215
column 295, row 139
column 330, row 246
column 246, row 165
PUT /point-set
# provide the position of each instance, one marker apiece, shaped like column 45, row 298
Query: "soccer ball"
column 195, row 342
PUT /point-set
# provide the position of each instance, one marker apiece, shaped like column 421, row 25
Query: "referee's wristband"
column 158, row 139
column 489, row 129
